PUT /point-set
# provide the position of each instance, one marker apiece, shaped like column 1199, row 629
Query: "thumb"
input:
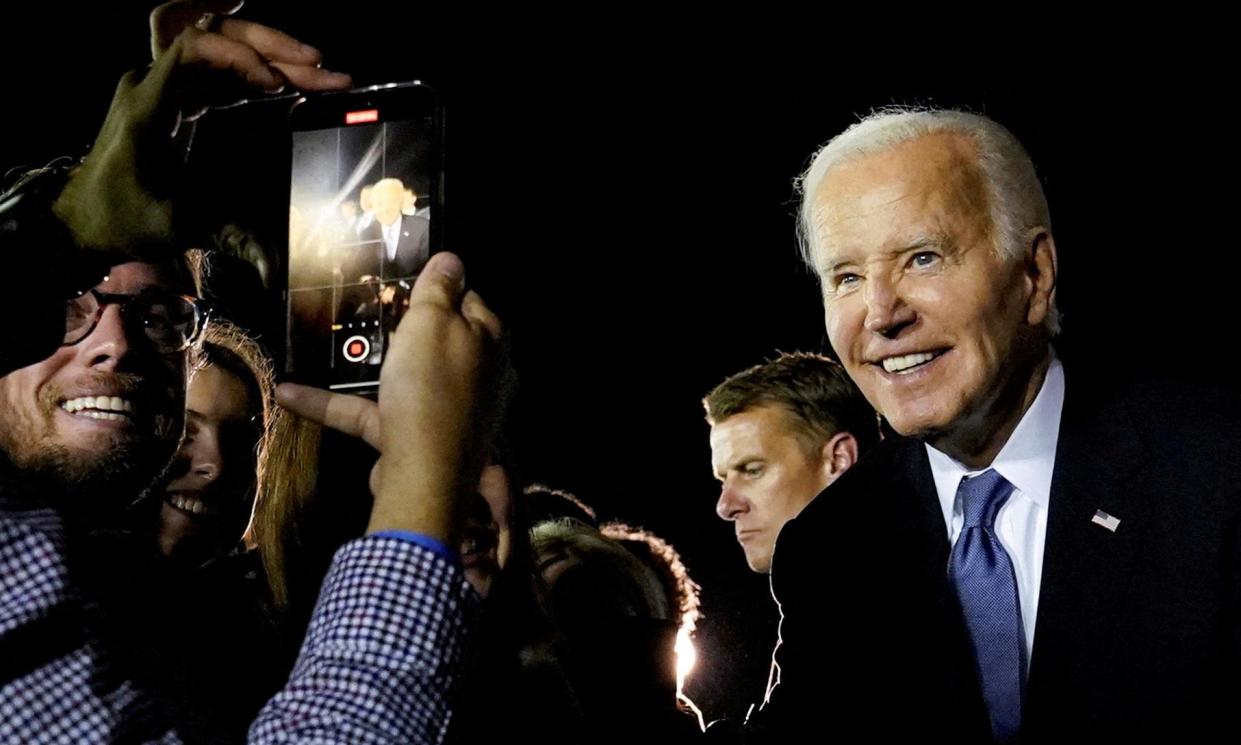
column 441, row 282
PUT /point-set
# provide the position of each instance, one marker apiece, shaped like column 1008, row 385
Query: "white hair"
column 1014, row 195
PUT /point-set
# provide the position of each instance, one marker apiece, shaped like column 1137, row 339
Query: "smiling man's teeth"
column 110, row 408
column 906, row 362
column 104, row 416
column 190, row 504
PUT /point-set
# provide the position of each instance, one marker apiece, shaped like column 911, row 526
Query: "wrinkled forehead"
column 897, row 195
column 134, row 277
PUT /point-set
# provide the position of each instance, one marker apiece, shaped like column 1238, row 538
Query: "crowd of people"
column 968, row 539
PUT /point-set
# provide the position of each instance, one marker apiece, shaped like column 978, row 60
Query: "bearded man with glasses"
column 93, row 335
column 96, row 419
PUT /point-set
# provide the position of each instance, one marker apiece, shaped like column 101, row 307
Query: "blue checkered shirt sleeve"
column 382, row 651
column 58, row 681
column 377, row 665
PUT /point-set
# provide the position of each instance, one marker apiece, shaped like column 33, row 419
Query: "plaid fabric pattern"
column 381, row 652
column 56, row 682
column 376, row 666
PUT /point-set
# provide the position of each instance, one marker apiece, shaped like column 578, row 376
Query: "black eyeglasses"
column 171, row 322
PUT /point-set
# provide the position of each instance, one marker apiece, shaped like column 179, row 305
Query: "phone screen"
column 363, row 198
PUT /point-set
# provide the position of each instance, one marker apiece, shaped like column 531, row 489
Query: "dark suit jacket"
column 1138, row 634
column 412, row 250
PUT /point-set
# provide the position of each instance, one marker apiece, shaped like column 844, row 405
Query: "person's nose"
column 202, row 449
column 887, row 311
column 109, row 342
column 731, row 503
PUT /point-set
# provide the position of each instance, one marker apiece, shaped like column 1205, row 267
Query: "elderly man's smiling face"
column 105, row 412
column 941, row 334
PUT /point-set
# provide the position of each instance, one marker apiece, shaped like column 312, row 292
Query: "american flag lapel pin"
column 1105, row 520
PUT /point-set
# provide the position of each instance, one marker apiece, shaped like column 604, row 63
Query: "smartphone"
column 365, row 215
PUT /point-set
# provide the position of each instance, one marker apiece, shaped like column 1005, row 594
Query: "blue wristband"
column 426, row 541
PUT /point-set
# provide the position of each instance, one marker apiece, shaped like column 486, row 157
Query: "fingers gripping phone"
column 365, row 215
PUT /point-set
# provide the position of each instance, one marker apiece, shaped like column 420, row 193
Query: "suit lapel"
column 1086, row 566
column 920, row 521
column 924, row 532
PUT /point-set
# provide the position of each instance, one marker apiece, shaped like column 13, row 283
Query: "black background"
column 620, row 182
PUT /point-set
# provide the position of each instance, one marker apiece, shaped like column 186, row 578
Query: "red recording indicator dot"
column 357, row 348
column 361, row 117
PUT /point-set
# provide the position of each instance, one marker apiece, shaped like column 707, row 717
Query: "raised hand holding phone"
column 121, row 198
column 433, row 408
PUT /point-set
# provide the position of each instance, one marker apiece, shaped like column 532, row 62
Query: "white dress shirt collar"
column 1026, row 460
column 392, row 237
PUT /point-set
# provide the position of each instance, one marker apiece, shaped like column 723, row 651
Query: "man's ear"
column 1040, row 273
column 839, row 453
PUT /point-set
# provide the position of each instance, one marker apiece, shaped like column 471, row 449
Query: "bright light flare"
column 686, row 657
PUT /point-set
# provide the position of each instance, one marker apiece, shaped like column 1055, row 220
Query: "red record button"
column 357, row 348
